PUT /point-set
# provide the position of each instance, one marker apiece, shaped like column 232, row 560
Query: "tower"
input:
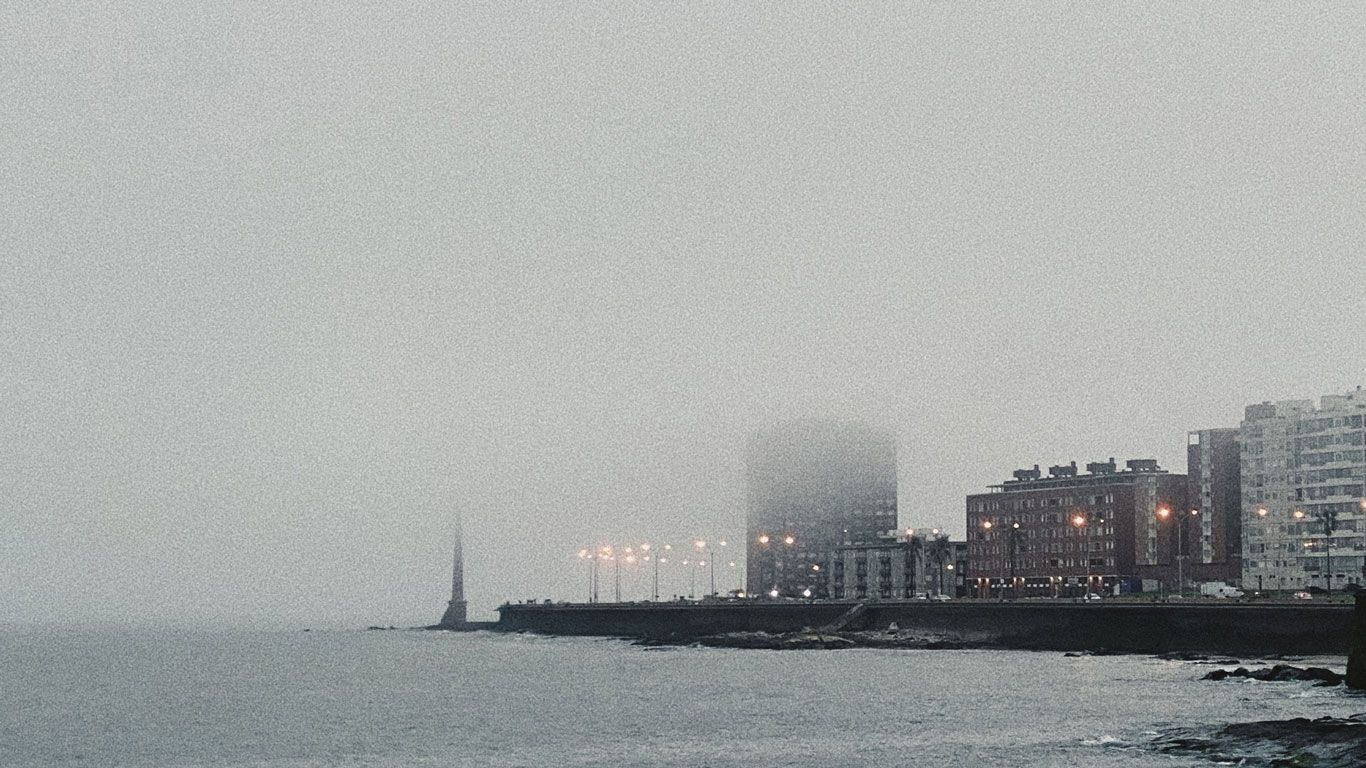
column 454, row 617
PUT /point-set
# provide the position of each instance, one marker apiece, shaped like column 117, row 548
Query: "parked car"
column 1092, row 596
column 1302, row 596
column 940, row 598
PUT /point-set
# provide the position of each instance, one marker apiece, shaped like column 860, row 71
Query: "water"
column 298, row 700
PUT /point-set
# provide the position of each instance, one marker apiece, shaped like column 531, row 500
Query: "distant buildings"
column 1303, row 478
column 1278, row 503
column 812, row 487
column 1069, row 533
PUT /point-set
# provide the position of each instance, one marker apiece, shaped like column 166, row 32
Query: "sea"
column 294, row 699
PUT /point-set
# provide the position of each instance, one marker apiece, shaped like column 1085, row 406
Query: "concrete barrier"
column 1228, row 628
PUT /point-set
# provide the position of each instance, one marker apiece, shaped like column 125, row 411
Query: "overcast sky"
column 283, row 290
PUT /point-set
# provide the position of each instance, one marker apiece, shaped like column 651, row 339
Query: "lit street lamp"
column 1081, row 522
column 711, row 562
column 1165, row 514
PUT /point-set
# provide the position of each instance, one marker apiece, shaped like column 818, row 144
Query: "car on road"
column 940, row 598
column 1302, row 596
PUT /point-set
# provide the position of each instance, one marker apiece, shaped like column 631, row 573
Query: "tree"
column 939, row 553
column 916, row 546
column 1328, row 516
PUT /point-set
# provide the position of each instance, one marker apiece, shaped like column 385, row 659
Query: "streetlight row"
column 643, row 553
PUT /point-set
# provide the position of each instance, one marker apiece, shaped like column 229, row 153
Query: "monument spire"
column 454, row 617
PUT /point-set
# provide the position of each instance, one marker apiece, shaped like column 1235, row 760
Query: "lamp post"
column 1363, row 512
column 1014, row 547
column 986, row 528
column 1298, row 516
column 768, row 560
column 654, row 560
column 1261, row 512
column 711, row 563
column 1166, row 514
column 1081, row 522
column 587, row 558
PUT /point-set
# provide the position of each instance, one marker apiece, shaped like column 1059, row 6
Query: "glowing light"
column 986, row 524
column 806, row 593
column 789, row 540
column 773, row 593
column 699, row 544
column 1078, row 521
column 1164, row 513
column 763, row 539
column 1261, row 512
column 644, row 547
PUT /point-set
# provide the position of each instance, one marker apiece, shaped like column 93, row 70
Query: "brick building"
column 1056, row 536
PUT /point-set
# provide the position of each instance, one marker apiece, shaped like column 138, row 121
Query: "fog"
column 283, row 290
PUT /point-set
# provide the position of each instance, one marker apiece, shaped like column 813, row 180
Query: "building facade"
column 1102, row 531
column 888, row 569
column 812, row 487
column 1303, row 477
column 1213, row 470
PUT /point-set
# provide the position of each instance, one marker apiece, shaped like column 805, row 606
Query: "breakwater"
column 1230, row 628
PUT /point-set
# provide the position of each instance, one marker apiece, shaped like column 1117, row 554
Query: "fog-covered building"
column 813, row 486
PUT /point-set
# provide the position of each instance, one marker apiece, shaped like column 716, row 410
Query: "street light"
column 590, row 559
column 711, row 561
column 1014, row 532
column 1080, row 522
column 1363, row 512
column 1298, row 515
column 1165, row 514
column 1262, row 513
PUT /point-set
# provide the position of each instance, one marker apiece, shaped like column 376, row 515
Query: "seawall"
column 1246, row 629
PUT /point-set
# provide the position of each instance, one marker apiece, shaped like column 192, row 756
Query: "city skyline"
column 286, row 291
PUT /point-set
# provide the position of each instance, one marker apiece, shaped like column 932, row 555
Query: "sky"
column 287, row 287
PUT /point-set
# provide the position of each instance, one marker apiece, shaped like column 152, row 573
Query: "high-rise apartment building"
column 813, row 486
column 1303, row 477
column 1214, row 550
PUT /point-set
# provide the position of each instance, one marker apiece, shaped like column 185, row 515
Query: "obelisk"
column 454, row 617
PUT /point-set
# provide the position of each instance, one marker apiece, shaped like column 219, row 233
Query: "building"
column 1055, row 536
column 888, row 569
column 1303, row 476
column 1213, row 477
column 811, row 487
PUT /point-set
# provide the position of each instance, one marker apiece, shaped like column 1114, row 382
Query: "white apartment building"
column 1301, row 465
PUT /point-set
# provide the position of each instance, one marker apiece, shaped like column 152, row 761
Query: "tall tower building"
column 813, row 486
column 1303, row 475
column 455, row 615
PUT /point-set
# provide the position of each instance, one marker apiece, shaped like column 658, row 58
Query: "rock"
column 1281, row 673
column 1324, row 743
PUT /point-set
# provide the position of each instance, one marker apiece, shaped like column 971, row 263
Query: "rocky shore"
column 818, row 640
column 1327, row 742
